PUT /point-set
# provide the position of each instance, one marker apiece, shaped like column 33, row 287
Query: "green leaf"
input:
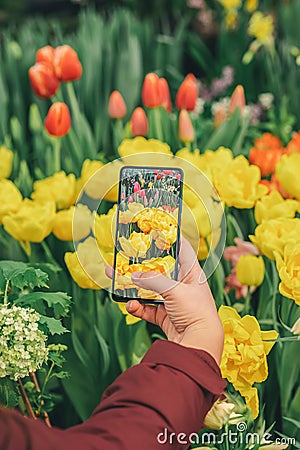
column 52, row 326
column 8, row 393
column 59, row 302
column 81, row 353
column 105, row 356
column 225, row 134
column 21, row 274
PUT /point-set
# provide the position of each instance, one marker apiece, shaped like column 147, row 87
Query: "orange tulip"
column 187, row 93
column 237, row 100
column 58, row 120
column 139, row 122
column 116, row 106
column 294, row 144
column 219, row 116
column 265, row 160
column 151, row 93
column 66, row 63
column 165, row 94
column 43, row 80
column 266, row 153
column 45, row 55
column 186, row 129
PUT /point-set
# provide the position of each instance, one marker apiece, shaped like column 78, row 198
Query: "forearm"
column 169, row 392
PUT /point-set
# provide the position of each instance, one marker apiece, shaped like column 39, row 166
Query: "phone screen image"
column 147, row 229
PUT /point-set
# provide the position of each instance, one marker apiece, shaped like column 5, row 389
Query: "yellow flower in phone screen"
column 136, row 245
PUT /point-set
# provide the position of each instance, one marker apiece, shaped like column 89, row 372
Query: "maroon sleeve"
column 157, row 404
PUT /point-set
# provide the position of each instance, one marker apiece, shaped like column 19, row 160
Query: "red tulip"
column 66, row 63
column 116, row 106
column 45, row 55
column 186, row 129
column 151, row 95
column 165, row 94
column 187, row 93
column 139, row 122
column 237, row 100
column 58, row 120
column 43, row 80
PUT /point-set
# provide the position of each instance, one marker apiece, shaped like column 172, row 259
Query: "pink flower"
column 130, row 199
column 136, row 187
column 145, row 201
column 123, row 196
column 142, row 193
column 233, row 254
column 233, row 283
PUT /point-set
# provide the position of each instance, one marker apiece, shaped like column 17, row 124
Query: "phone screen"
column 147, row 228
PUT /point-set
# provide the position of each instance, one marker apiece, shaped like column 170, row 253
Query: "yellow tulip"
column 32, row 222
column 59, row 188
column 87, row 265
column 218, row 415
column 244, row 359
column 273, row 206
column 230, row 4
column 137, row 245
column 193, row 157
column 131, row 214
column 11, row 198
column 6, row 159
column 296, row 327
column 100, row 181
column 213, row 162
column 73, row 223
column 271, row 236
column 206, row 215
column 130, row 319
column 88, row 169
column 288, row 266
column 250, row 270
column 104, row 228
column 287, row 172
column 140, row 145
column 238, row 183
column 266, row 445
column 251, row 5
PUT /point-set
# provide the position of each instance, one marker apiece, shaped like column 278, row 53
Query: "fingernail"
column 129, row 306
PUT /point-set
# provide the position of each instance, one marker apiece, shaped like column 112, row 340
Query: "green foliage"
column 21, row 275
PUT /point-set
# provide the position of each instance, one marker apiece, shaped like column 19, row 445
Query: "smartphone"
column 147, row 228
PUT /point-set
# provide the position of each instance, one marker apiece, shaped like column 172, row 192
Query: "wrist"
column 205, row 339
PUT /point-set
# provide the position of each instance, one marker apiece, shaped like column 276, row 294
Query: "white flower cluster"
column 22, row 345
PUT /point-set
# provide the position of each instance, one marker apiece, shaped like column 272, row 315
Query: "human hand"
column 188, row 315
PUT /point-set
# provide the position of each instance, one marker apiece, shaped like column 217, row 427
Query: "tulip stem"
column 48, row 253
column 118, row 134
column 247, row 301
column 73, row 102
column 56, row 155
column 157, row 124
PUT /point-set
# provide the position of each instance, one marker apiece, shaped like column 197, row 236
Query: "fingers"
column 109, row 271
column 153, row 281
column 189, row 265
column 151, row 313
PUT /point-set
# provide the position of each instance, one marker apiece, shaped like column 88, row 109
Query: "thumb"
column 153, row 281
